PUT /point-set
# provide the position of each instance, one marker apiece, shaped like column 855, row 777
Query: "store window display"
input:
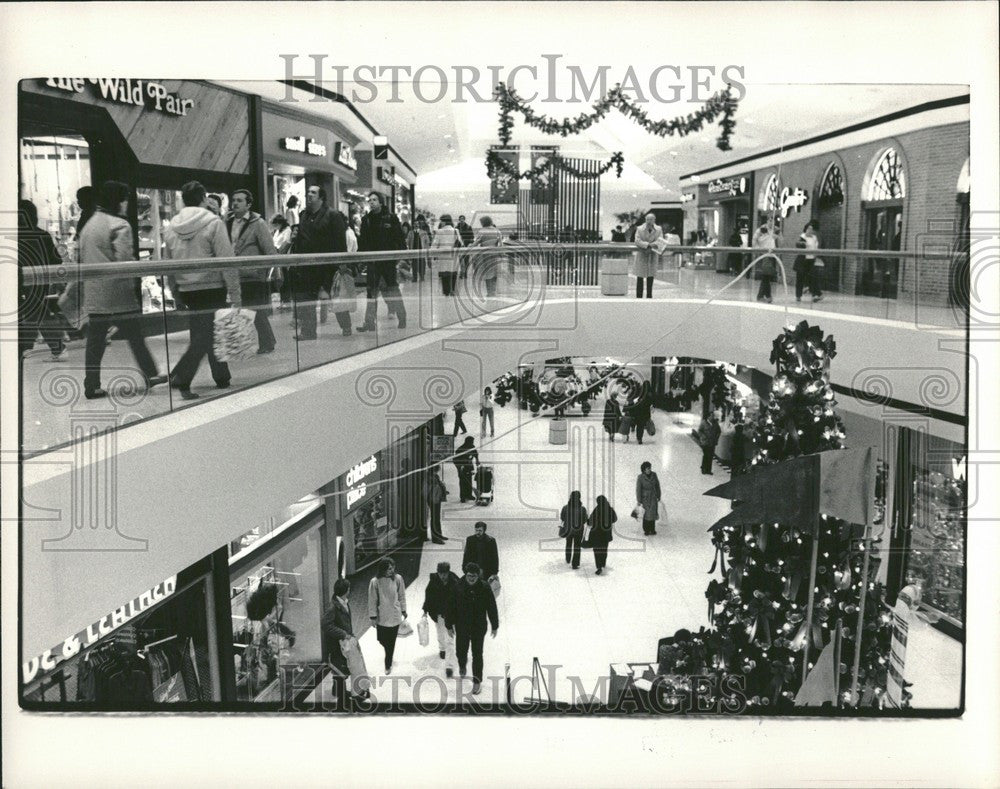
column 53, row 168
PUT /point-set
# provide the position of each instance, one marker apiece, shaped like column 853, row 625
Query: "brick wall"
column 933, row 159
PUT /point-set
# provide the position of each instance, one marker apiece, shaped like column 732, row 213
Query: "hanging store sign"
column 93, row 633
column 303, row 145
column 139, row 92
column 687, row 197
column 386, row 175
column 356, row 480
column 792, row 198
column 728, row 187
column 344, row 154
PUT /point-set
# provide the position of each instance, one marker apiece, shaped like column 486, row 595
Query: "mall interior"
column 185, row 554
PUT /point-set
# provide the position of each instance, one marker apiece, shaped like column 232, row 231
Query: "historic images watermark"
column 549, row 81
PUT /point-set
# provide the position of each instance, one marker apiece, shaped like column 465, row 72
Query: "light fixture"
column 447, row 136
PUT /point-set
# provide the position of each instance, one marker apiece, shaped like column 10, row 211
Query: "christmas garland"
column 497, row 165
column 721, row 103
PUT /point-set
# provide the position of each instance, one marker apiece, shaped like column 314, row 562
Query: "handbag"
column 494, row 583
column 405, row 629
column 563, row 529
column 651, row 428
column 639, row 512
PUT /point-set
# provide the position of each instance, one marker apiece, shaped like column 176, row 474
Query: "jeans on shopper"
column 487, row 415
column 463, row 640
column 130, row 329
column 649, row 287
column 573, row 544
column 446, row 642
column 436, row 521
column 201, row 305
column 386, row 636
column 257, row 295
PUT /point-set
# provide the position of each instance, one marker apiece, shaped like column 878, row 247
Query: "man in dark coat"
column 320, row 229
column 468, row 235
column 337, row 626
column 708, row 436
column 381, row 231
column 36, row 251
column 474, row 604
column 481, row 548
column 439, row 605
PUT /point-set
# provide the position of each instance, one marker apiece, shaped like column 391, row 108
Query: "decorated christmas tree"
column 759, row 606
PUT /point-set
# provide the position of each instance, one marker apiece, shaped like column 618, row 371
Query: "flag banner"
column 847, row 479
column 504, row 185
column 820, row 686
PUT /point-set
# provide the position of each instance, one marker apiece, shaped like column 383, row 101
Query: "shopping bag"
column 69, row 305
column 563, row 529
column 494, row 583
column 405, row 629
column 651, row 428
column 235, row 336
column 355, row 664
column 423, row 631
column 343, row 294
column 638, row 512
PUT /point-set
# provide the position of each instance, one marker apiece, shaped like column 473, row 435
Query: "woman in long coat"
column 646, row 236
column 574, row 518
column 443, row 250
column 647, row 493
column 601, row 521
column 612, row 417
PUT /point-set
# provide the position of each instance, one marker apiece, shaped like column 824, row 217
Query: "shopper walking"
column 647, row 495
column 612, row 417
column 381, row 231
column 107, row 238
column 439, row 605
column 481, row 548
column 338, row 626
column 436, row 494
column 640, row 410
column 486, row 404
column 573, row 517
column 421, row 241
column 487, row 265
column 446, row 239
column 708, row 436
column 601, row 521
column 466, row 461
column 474, row 605
column 36, row 251
column 467, row 234
column 249, row 236
column 808, row 268
column 387, row 607
column 646, row 235
column 767, row 269
column 320, row 229
column 459, row 409
column 198, row 233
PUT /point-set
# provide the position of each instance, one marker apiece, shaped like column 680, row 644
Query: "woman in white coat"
column 445, row 260
column 387, row 607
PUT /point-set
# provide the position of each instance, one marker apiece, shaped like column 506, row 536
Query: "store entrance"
column 830, row 220
column 883, row 231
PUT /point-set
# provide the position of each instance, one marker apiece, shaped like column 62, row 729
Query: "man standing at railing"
column 381, row 231
column 250, row 235
column 193, row 234
column 321, row 229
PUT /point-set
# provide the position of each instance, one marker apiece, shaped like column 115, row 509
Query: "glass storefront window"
column 937, row 540
column 53, row 168
column 276, row 608
column 156, row 207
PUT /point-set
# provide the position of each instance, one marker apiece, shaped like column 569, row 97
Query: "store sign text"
column 386, row 176
column 792, row 198
column 357, row 475
column 303, row 145
column 687, row 197
column 732, row 186
column 72, row 646
column 345, row 155
column 126, row 91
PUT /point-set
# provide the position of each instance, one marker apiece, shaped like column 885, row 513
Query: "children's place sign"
column 93, row 633
column 356, row 481
column 139, row 92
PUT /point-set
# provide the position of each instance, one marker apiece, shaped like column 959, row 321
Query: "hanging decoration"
column 501, row 169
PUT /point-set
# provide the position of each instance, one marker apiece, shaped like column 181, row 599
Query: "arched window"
column 831, row 191
column 888, row 181
column 768, row 200
column 963, row 179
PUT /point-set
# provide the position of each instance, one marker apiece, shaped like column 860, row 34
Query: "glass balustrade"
column 307, row 311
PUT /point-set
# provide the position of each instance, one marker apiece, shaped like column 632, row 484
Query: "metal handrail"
column 139, row 268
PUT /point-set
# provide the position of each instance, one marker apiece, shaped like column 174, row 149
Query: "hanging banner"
column 504, row 185
column 543, row 186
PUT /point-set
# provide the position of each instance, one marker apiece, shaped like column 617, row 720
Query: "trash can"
column 557, row 431
column 614, row 276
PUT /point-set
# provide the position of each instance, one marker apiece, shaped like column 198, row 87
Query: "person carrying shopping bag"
column 439, row 605
column 387, row 607
column 648, row 494
column 601, row 521
column 344, row 650
column 573, row 517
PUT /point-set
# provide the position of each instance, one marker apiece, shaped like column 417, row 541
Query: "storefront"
column 162, row 647
column 724, row 214
column 877, row 186
column 300, row 151
column 152, row 135
column 391, row 178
